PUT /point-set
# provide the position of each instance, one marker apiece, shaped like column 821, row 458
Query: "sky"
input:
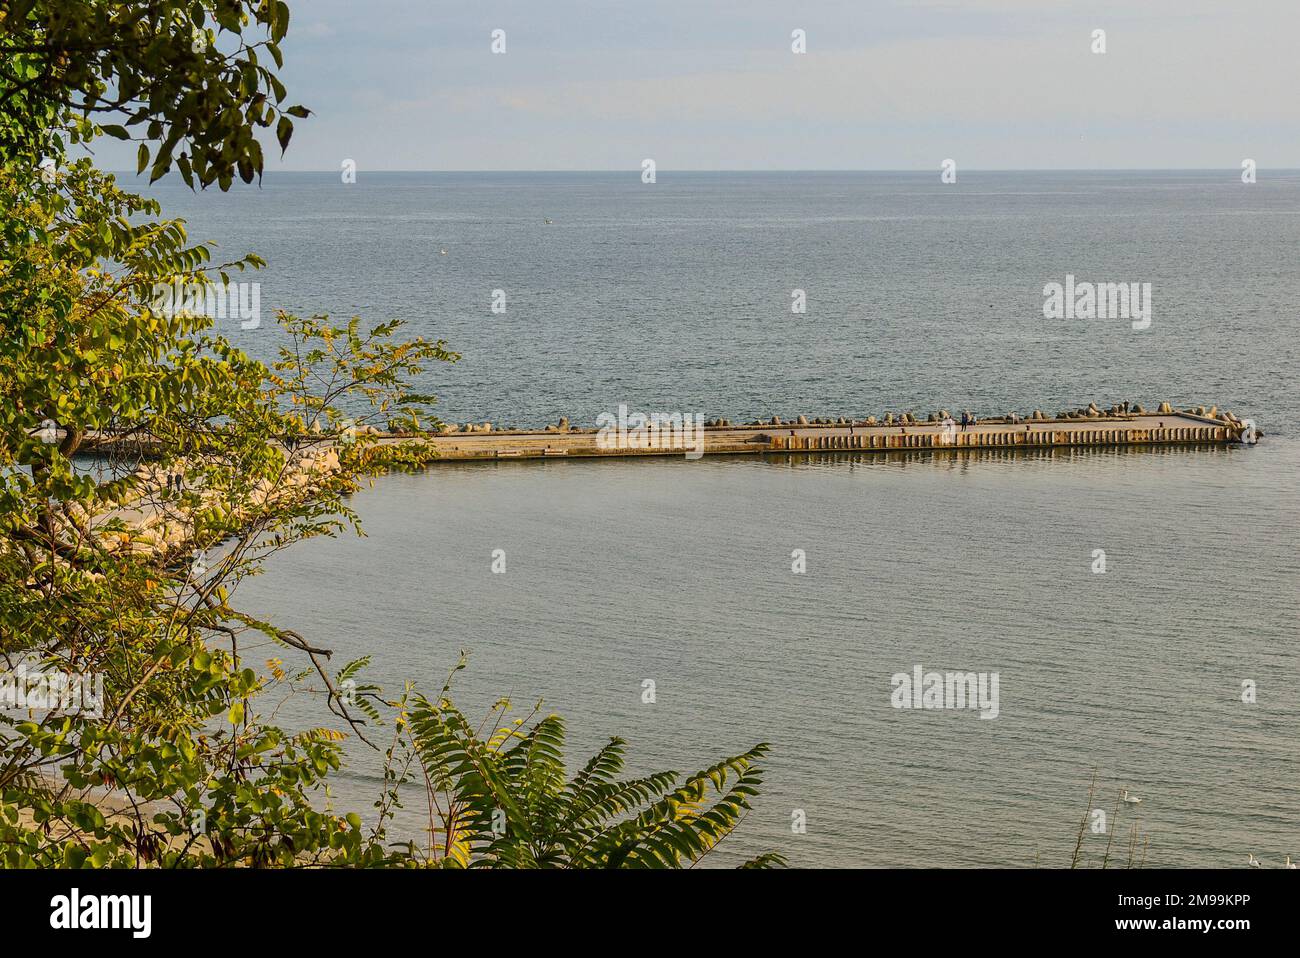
column 700, row 85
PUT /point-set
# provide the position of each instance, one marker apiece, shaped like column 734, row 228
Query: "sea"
column 1140, row 609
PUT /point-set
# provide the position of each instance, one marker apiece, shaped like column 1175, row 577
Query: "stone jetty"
column 1121, row 424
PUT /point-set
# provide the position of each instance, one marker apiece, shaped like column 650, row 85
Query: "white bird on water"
column 1129, row 799
column 1289, row 863
column 1254, row 862
column 442, row 252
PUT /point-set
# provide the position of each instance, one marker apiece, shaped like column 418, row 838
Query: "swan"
column 1254, row 862
column 1129, row 799
column 1289, row 863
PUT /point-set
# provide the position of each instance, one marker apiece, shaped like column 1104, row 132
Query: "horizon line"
column 970, row 169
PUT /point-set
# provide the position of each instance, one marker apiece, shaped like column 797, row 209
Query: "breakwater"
column 1117, row 426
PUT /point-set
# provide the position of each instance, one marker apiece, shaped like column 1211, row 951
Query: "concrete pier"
column 859, row 437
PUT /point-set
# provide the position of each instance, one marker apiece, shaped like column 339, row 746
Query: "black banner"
column 923, row 907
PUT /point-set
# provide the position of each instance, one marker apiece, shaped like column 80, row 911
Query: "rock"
column 564, row 424
column 803, row 420
column 1212, row 413
column 776, row 420
column 871, row 420
column 1165, row 409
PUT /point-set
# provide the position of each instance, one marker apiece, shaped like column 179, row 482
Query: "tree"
column 194, row 76
column 97, row 566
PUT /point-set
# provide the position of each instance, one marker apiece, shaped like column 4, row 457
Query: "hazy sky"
column 885, row 84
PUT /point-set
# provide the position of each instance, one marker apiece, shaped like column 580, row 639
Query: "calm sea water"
column 676, row 296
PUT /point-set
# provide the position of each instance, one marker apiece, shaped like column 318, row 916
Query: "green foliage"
column 502, row 800
column 88, row 584
column 193, row 81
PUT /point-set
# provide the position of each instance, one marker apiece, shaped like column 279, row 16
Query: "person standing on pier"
column 965, row 419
